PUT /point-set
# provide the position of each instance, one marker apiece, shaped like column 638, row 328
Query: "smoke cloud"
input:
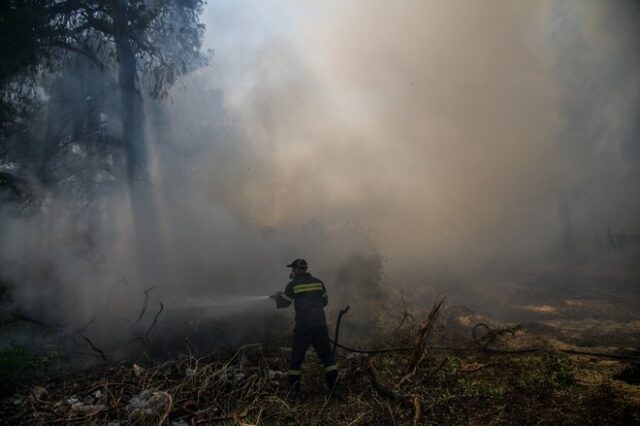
column 427, row 134
column 454, row 130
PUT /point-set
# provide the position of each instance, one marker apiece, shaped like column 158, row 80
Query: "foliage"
column 147, row 44
column 166, row 35
column 18, row 366
column 26, row 43
column 536, row 375
column 256, row 379
column 546, row 373
column 452, row 382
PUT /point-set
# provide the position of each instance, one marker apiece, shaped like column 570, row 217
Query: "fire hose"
column 482, row 343
column 360, row 351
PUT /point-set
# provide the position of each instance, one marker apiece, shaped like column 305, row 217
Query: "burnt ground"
column 587, row 306
column 569, row 309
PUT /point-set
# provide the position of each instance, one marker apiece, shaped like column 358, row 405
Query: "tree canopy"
column 140, row 46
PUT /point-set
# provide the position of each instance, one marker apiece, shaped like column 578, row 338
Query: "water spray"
column 220, row 302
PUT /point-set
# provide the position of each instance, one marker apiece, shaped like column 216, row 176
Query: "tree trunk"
column 147, row 241
column 131, row 102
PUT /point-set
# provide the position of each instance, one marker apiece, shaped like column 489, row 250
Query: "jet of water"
column 219, row 302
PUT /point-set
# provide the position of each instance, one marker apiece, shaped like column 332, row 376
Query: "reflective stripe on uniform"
column 287, row 298
column 303, row 288
column 331, row 368
column 295, row 372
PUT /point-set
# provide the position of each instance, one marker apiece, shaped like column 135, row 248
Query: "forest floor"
column 467, row 383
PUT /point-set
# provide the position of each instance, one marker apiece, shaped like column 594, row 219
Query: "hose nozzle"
column 275, row 296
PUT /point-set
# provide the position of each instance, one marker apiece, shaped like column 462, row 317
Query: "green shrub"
column 18, row 366
column 454, row 383
column 474, row 388
column 546, row 373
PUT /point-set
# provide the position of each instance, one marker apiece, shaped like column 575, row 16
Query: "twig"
column 236, row 416
column 104, row 309
column 167, row 397
column 326, row 401
column 98, row 350
column 480, row 367
column 357, row 419
column 337, row 334
column 381, row 387
column 241, row 349
column 417, row 410
column 390, row 413
column 491, row 334
column 421, row 338
column 375, row 351
column 434, row 372
column 413, row 401
column 83, row 328
column 361, row 351
column 155, row 320
column 405, row 312
column 144, row 305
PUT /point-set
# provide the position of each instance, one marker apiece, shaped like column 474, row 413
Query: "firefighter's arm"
column 283, row 298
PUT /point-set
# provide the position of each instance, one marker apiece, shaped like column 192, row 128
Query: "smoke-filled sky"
column 434, row 133
column 452, row 129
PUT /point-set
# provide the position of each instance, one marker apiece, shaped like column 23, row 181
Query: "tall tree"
column 144, row 45
column 150, row 43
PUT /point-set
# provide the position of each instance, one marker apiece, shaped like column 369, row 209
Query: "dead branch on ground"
column 405, row 312
column 383, row 389
column 144, row 305
column 410, row 401
column 420, row 342
column 95, row 348
column 155, row 321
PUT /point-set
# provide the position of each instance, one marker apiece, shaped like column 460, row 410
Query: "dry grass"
column 246, row 390
column 250, row 388
column 457, row 388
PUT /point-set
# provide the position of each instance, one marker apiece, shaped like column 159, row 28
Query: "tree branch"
column 82, row 51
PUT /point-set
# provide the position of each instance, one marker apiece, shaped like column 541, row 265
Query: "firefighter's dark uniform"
column 309, row 296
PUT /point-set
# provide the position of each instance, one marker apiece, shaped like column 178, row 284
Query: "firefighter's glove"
column 280, row 301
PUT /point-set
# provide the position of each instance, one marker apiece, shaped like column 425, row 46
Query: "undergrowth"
column 544, row 374
column 19, row 366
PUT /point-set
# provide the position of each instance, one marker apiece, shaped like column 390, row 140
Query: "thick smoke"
column 427, row 134
column 598, row 82
column 457, row 133
column 461, row 133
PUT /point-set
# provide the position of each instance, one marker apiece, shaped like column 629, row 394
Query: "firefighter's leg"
column 322, row 345
column 301, row 342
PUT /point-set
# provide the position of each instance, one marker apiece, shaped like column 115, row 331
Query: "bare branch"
column 155, row 320
column 144, row 306
column 96, row 349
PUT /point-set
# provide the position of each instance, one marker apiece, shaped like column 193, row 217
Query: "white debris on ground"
column 149, row 403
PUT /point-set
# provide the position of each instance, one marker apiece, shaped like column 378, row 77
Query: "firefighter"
column 309, row 297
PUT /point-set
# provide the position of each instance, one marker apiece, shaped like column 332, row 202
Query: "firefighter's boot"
column 333, row 384
column 294, row 388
